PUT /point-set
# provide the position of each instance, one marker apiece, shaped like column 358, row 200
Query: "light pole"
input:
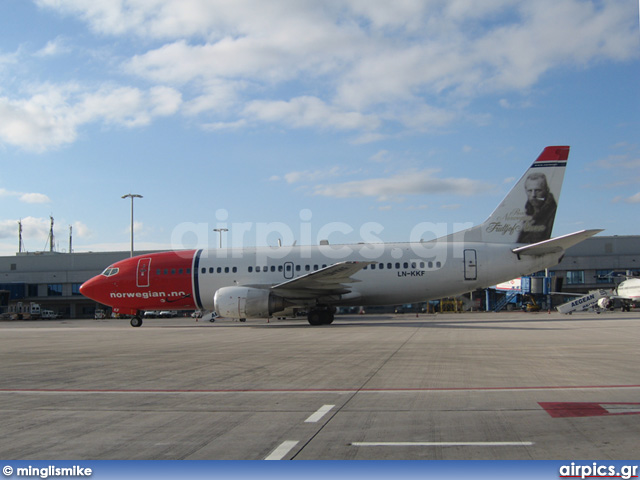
column 132, row 196
column 220, row 230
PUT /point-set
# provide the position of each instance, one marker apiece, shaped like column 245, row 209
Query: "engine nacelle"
column 246, row 302
column 604, row 303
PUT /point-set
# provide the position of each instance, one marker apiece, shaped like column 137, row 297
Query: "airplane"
column 259, row 282
column 628, row 292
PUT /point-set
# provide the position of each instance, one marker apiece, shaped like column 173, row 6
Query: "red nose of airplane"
column 92, row 289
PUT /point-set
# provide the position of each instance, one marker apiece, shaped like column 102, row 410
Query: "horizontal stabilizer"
column 556, row 245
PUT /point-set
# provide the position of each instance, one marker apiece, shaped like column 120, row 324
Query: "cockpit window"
column 110, row 271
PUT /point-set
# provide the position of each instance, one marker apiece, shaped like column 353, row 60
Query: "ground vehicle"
column 21, row 311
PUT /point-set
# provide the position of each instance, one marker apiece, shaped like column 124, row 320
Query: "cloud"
column 424, row 182
column 34, row 198
column 633, row 198
column 52, row 115
column 53, row 48
column 32, row 227
column 26, row 197
column 312, row 176
column 622, row 161
column 310, row 112
column 81, row 230
column 356, row 65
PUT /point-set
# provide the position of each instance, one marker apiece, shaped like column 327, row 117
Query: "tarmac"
column 512, row 385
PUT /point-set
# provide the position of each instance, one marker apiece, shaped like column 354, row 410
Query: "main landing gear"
column 321, row 316
column 136, row 321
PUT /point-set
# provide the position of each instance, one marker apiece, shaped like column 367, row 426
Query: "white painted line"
column 441, row 444
column 618, row 408
column 322, row 411
column 280, row 452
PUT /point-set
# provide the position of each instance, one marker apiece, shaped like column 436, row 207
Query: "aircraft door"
column 142, row 273
column 470, row 265
column 288, row 270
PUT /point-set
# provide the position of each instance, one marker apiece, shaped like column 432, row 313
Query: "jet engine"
column 247, row 302
column 604, row 303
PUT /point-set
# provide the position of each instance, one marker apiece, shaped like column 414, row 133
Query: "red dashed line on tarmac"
column 309, row 390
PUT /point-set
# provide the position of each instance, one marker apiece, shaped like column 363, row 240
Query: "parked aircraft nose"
column 94, row 289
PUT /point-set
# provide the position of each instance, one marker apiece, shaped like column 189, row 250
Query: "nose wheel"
column 136, row 321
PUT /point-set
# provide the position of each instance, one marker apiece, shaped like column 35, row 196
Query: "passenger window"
column 211, row 270
column 250, row 269
column 203, row 270
column 406, row 265
column 226, row 269
column 397, row 265
column 430, row 264
column 219, row 270
column 389, row 266
column 158, row 272
column 179, row 271
column 280, row 268
column 438, row 264
column 235, row 270
column 307, row 268
column 273, row 268
column 421, row 264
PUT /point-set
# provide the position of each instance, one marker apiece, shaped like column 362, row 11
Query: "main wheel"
column 314, row 317
column 327, row 317
column 136, row 321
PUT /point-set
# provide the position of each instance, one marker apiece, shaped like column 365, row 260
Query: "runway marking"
column 441, row 444
column 307, row 390
column 322, row 411
column 281, row 451
column 589, row 409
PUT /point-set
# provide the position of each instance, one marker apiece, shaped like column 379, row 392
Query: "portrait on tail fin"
column 540, row 210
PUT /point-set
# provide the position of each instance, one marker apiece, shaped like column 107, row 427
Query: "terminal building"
column 52, row 280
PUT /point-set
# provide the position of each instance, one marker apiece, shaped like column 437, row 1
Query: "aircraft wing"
column 556, row 245
column 331, row 280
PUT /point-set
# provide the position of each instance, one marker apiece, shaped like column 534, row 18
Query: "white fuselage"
column 401, row 272
column 629, row 289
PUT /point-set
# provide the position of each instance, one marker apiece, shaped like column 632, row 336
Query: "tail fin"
column 527, row 213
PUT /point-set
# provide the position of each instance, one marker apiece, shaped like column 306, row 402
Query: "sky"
column 300, row 120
